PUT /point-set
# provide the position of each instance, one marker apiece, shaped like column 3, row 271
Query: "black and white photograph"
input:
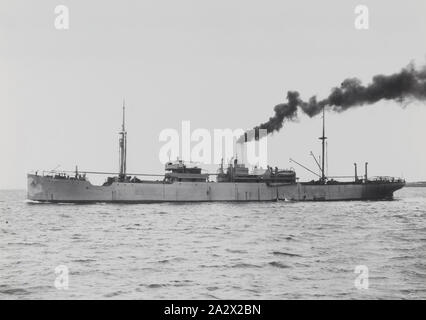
column 212, row 151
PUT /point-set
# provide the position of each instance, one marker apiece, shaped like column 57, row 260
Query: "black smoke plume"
column 407, row 85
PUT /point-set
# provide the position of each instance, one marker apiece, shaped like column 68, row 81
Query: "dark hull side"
column 48, row 189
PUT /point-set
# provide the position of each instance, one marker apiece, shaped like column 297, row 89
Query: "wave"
column 245, row 265
column 279, row 253
column 14, row 291
column 236, row 251
column 278, row 264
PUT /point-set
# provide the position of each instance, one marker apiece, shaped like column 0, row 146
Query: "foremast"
column 123, row 146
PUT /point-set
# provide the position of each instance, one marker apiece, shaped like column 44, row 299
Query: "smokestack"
column 406, row 85
column 366, row 167
column 356, row 172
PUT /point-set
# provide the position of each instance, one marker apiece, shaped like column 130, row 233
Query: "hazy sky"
column 219, row 64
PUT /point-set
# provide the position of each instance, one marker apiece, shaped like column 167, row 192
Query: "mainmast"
column 123, row 146
column 323, row 138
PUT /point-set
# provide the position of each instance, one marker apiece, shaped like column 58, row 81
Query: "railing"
column 84, row 172
column 385, row 179
column 81, row 175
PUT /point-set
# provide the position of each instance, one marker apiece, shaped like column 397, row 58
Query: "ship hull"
column 49, row 189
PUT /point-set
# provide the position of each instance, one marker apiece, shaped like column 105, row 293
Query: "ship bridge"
column 179, row 171
column 238, row 172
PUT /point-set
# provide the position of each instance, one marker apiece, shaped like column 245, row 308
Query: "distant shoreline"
column 419, row 184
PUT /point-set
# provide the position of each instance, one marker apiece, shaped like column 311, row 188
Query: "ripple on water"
column 236, row 251
column 278, row 264
column 9, row 291
column 287, row 254
column 245, row 265
column 214, row 250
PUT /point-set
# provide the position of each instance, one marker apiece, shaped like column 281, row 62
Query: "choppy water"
column 214, row 250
